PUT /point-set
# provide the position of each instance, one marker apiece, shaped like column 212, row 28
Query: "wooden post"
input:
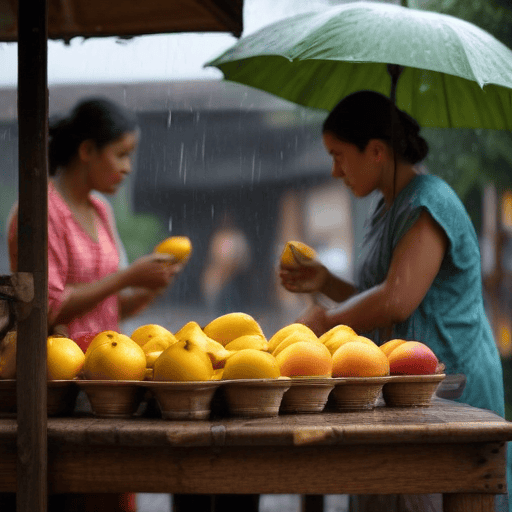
column 32, row 254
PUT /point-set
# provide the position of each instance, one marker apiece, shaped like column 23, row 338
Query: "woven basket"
column 411, row 390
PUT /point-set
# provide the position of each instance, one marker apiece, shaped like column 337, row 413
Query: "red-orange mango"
column 412, row 358
column 305, row 359
column 390, row 345
column 359, row 359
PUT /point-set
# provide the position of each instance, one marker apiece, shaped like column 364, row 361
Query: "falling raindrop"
column 182, row 150
column 213, row 211
column 169, row 118
column 170, row 224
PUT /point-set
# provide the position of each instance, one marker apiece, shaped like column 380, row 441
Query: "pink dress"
column 75, row 258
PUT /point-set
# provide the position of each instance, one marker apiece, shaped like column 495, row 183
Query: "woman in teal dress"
column 419, row 276
column 450, row 318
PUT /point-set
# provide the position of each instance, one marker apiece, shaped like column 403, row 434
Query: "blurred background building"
column 212, row 151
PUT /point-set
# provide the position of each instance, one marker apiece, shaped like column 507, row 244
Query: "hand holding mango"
column 296, row 254
column 179, row 247
column 300, row 271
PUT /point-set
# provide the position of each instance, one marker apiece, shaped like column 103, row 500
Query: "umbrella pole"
column 394, row 71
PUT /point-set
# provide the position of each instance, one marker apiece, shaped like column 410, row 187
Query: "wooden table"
column 447, row 448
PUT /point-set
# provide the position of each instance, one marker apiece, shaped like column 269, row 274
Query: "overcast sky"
column 159, row 57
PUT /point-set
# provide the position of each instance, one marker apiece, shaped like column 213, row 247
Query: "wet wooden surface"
column 445, row 421
column 448, row 448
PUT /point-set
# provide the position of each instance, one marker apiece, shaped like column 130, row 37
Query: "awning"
column 127, row 18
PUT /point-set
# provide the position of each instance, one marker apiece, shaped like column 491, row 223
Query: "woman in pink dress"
column 88, row 292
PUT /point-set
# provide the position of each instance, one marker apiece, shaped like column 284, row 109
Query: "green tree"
column 139, row 232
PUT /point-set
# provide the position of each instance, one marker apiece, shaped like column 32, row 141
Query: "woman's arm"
column 337, row 289
column 151, row 272
column 414, row 265
column 135, row 300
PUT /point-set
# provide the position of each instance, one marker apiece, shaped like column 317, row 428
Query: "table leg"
column 468, row 502
column 312, row 503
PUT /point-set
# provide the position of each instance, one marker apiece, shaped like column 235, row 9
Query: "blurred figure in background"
column 228, row 262
column 223, row 284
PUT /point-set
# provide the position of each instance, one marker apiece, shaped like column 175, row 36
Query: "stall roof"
column 127, row 18
column 158, row 96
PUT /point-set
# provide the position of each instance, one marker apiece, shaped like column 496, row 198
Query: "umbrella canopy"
column 455, row 74
column 126, row 18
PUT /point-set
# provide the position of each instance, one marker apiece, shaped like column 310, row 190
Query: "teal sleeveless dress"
column 451, row 319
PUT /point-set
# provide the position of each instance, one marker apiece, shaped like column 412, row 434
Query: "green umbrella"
column 453, row 74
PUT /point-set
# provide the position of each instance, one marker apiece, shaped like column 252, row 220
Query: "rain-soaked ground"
column 268, row 503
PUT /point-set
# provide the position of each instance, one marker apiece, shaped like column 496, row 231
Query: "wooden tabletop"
column 447, row 447
column 444, row 421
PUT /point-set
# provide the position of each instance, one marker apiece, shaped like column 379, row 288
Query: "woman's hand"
column 307, row 277
column 153, row 271
column 315, row 318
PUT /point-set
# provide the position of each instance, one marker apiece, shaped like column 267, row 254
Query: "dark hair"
column 367, row 115
column 96, row 119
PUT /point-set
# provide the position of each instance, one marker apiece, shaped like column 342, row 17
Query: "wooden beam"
column 32, row 254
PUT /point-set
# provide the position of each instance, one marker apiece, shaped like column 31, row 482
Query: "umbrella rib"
column 468, row 59
column 445, row 96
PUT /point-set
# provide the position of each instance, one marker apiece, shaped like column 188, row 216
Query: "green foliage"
column 139, row 232
column 470, row 159
column 8, row 195
column 495, row 16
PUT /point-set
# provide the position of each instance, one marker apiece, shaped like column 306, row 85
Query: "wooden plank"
column 32, row 254
column 128, row 18
column 443, row 422
column 376, row 469
column 303, row 454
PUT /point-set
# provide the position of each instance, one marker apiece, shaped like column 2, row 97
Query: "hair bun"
column 411, row 145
